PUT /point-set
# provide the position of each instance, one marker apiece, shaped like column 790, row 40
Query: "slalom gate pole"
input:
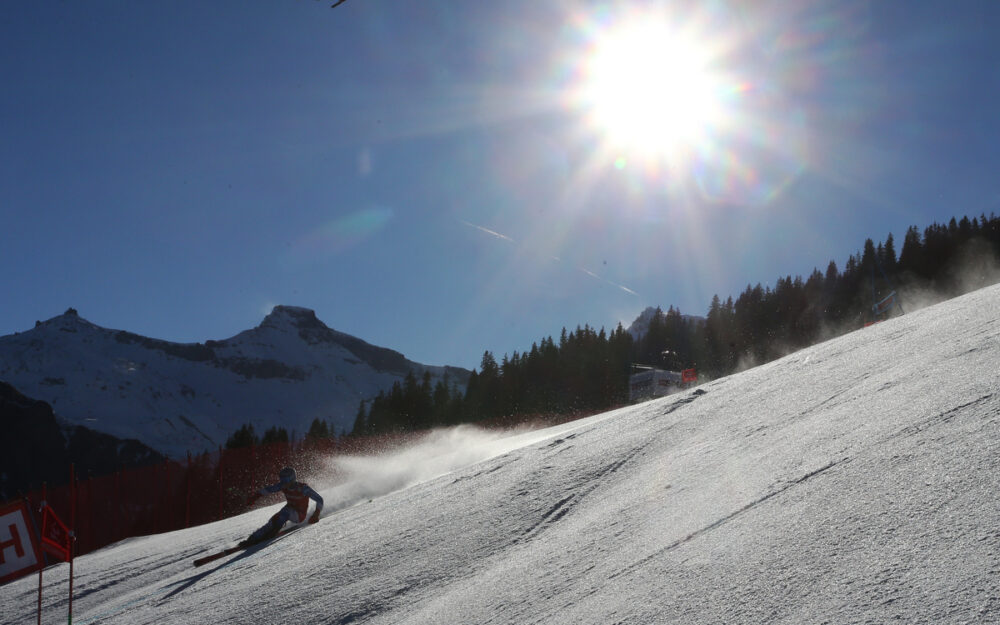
column 41, row 565
column 187, row 499
column 220, row 483
column 40, row 594
column 164, row 522
column 72, row 537
column 117, row 509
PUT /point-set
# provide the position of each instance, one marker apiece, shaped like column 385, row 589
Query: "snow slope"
column 180, row 397
column 852, row 482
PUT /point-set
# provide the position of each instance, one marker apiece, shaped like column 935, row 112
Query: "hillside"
column 180, row 397
column 35, row 449
column 851, row 482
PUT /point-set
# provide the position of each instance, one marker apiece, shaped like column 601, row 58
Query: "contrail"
column 504, row 237
column 614, row 284
column 490, row 232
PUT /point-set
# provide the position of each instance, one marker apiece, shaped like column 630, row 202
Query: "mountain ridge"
column 178, row 397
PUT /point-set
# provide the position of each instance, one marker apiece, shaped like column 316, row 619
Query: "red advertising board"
column 689, row 375
column 19, row 554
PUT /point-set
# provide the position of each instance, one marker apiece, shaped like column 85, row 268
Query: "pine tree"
column 243, row 437
column 360, row 427
column 441, row 402
column 889, row 260
column 486, row 406
column 318, row 429
column 912, row 252
column 274, row 434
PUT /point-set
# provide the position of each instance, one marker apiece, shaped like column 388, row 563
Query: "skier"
column 297, row 495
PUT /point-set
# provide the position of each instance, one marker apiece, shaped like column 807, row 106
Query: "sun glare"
column 670, row 101
column 649, row 90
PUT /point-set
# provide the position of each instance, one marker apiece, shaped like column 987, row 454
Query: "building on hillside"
column 648, row 382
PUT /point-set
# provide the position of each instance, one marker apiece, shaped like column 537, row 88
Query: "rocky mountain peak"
column 640, row 326
column 293, row 317
column 69, row 321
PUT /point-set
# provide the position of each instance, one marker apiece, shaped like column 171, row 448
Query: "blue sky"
column 422, row 175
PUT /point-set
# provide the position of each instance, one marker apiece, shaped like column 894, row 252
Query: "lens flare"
column 338, row 234
column 672, row 99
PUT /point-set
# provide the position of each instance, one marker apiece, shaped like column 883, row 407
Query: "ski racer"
column 297, row 496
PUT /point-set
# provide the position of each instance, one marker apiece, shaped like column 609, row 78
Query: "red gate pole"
column 72, row 534
column 40, row 593
column 187, row 499
column 165, row 498
column 254, row 468
column 117, row 510
column 220, row 484
column 42, row 563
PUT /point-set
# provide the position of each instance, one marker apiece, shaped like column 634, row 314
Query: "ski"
column 231, row 550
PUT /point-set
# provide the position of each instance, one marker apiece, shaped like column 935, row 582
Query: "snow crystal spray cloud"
column 440, row 452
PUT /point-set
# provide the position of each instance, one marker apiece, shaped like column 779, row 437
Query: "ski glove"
column 315, row 517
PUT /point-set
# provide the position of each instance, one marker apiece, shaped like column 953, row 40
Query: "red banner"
column 19, row 553
column 689, row 375
column 55, row 535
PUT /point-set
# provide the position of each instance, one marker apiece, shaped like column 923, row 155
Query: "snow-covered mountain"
column 179, row 397
column 854, row 481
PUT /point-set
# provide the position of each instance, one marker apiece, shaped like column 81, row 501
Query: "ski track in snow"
column 854, row 481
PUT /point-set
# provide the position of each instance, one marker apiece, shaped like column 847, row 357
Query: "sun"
column 648, row 88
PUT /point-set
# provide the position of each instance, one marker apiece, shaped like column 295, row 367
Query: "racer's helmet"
column 286, row 476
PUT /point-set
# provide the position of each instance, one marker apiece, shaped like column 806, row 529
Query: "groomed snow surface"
column 855, row 481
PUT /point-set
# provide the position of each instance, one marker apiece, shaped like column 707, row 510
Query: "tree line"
column 587, row 370
column 245, row 436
